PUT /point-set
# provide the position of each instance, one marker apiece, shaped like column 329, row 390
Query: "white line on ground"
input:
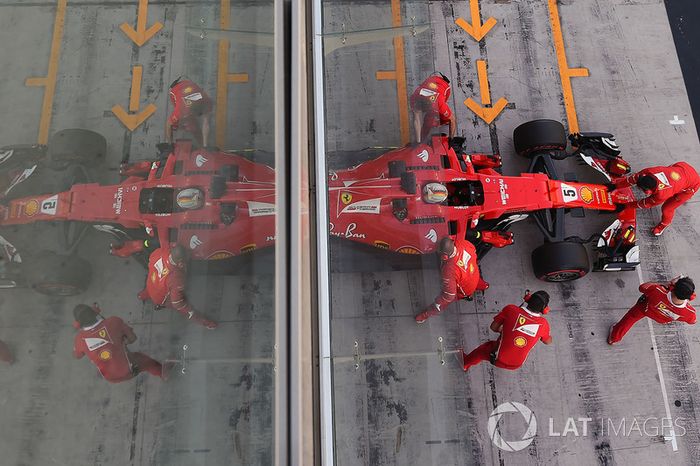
column 674, row 443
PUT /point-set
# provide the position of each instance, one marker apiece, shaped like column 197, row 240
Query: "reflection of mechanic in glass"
column 165, row 283
column 460, row 275
column 191, row 104
column 430, row 109
column 671, row 186
column 104, row 342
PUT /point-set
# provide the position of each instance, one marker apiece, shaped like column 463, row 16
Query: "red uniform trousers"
column 668, row 208
column 485, row 352
column 634, row 315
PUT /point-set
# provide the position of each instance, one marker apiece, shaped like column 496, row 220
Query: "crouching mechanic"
column 104, row 342
column 190, row 106
column 165, row 283
column 460, row 276
column 521, row 328
column 430, row 109
column 662, row 302
column 671, row 186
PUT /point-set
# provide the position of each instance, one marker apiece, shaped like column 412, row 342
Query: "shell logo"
column 520, row 342
column 220, row 255
column 675, row 176
column 586, row 194
column 432, row 86
column 382, row 244
column 188, row 89
column 105, row 355
column 408, row 250
column 31, row 208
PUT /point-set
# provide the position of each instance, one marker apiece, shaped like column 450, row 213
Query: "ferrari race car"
column 407, row 199
column 216, row 204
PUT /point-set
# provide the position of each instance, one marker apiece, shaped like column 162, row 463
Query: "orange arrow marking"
column 141, row 35
column 476, row 29
column 133, row 121
column 488, row 114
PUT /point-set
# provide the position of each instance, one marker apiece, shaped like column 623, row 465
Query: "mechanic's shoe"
column 610, row 341
column 464, row 362
column 143, row 295
column 422, row 317
column 203, row 321
column 166, row 371
column 483, row 285
column 659, row 229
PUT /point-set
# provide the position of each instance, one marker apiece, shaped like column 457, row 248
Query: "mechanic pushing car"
column 671, row 186
column 430, row 109
column 192, row 107
column 662, row 302
column 520, row 327
column 165, row 284
column 104, row 341
column 459, row 271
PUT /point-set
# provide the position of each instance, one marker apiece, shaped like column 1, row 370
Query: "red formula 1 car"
column 407, row 199
column 217, row 204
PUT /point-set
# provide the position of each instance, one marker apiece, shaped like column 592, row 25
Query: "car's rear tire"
column 539, row 135
column 76, row 146
column 560, row 261
column 396, row 168
column 56, row 275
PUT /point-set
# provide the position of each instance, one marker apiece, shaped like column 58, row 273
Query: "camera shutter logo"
column 494, row 432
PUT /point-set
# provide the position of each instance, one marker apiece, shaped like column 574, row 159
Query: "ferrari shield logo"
column 346, row 198
column 522, row 327
column 102, row 333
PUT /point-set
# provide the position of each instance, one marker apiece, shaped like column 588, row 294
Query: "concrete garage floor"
column 401, row 405
column 58, row 411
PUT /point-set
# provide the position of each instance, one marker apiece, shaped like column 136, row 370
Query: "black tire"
column 560, row 261
column 76, row 146
column 396, row 168
column 408, row 182
column 55, row 275
column 539, row 135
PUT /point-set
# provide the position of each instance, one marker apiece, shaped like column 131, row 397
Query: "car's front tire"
column 539, row 135
column 560, row 261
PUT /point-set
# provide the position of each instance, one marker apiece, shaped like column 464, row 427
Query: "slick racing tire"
column 76, row 146
column 539, row 135
column 561, row 261
column 57, row 275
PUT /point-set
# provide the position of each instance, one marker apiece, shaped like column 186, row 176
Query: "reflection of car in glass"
column 407, row 199
column 216, row 204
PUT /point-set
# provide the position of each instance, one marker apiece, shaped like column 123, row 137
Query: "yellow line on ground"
column 399, row 73
column 50, row 80
column 223, row 77
column 565, row 72
column 483, row 82
column 135, row 96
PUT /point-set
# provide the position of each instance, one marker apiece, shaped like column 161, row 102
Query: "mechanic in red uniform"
column 670, row 186
column 460, row 276
column 662, row 302
column 165, row 283
column 190, row 106
column 521, row 328
column 104, row 342
column 429, row 107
